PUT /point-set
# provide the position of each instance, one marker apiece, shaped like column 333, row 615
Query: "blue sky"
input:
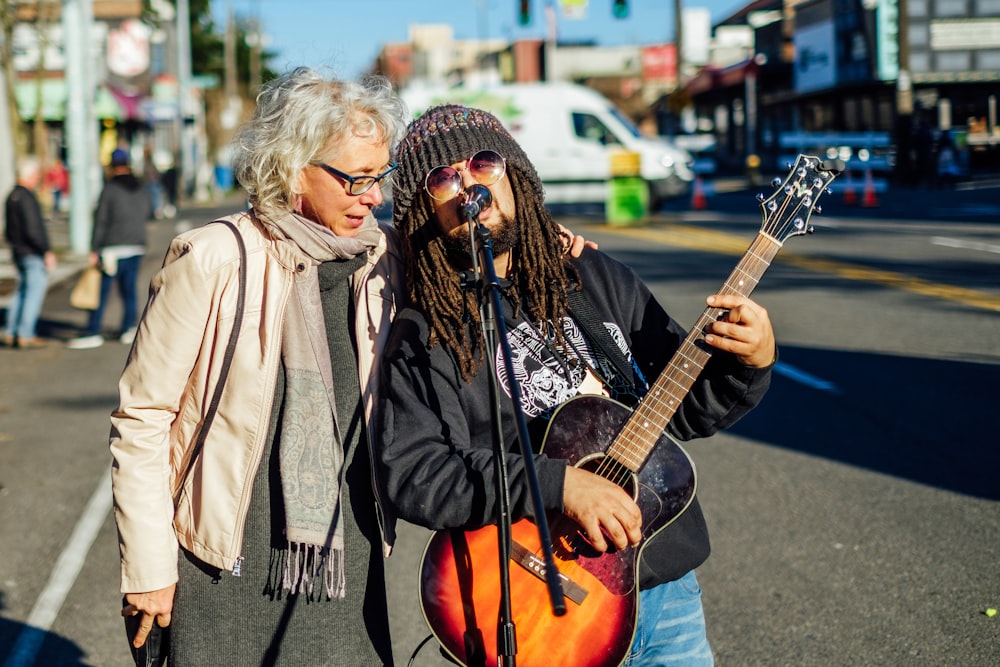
column 345, row 35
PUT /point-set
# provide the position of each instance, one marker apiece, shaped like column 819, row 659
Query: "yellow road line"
column 686, row 236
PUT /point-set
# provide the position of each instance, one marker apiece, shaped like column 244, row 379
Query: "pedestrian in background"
column 57, row 183
column 153, row 180
column 29, row 245
column 169, row 182
column 117, row 247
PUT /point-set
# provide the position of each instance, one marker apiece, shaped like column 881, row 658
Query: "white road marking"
column 965, row 245
column 64, row 575
column 797, row 375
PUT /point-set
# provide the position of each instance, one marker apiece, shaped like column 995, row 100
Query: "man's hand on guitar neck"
column 745, row 330
column 602, row 508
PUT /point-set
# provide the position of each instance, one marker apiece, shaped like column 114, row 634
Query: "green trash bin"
column 628, row 194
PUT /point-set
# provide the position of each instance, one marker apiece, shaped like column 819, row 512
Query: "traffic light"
column 524, row 13
column 620, row 9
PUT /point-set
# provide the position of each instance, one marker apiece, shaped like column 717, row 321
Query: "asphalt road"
column 855, row 514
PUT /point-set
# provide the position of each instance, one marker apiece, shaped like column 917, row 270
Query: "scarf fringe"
column 305, row 562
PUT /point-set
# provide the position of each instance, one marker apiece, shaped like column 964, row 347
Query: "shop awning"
column 715, row 78
column 55, row 98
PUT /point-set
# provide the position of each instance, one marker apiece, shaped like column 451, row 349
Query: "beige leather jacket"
column 172, row 371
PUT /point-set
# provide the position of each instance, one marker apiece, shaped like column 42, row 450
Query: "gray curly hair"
column 298, row 116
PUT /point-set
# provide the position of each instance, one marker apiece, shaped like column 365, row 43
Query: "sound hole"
column 569, row 541
column 612, row 470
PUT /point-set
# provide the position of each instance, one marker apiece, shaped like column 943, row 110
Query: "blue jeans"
column 671, row 628
column 127, row 278
column 29, row 295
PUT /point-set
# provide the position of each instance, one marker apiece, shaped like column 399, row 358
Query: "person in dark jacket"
column 436, row 452
column 117, row 246
column 32, row 254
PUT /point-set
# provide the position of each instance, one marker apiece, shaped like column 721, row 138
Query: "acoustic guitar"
column 460, row 575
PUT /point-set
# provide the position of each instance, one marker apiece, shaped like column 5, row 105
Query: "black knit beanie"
column 446, row 134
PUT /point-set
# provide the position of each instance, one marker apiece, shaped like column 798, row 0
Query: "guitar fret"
column 785, row 213
column 740, row 286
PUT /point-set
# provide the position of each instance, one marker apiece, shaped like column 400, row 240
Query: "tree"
column 8, row 19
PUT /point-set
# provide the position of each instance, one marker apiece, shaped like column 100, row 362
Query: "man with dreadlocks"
column 437, row 443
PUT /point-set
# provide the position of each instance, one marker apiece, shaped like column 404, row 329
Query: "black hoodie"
column 122, row 212
column 436, row 448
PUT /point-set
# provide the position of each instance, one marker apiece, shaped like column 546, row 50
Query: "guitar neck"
column 657, row 408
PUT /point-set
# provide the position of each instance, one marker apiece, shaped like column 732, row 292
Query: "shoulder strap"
column 583, row 312
column 227, row 359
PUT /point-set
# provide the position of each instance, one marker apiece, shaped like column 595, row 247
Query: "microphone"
column 477, row 197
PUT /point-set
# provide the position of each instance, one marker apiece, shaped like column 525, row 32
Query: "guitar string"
column 677, row 374
column 637, row 430
column 638, row 438
column 633, row 435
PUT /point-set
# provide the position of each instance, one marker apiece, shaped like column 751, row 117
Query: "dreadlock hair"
column 539, row 274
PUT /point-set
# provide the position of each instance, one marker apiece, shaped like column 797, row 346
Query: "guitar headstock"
column 787, row 211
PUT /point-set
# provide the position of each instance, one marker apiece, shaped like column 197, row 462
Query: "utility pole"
column 904, row 83
column 255, row 39
column 679, row 40
column 230, row 54
column 904, row 95
column 7, row 151
column 184, row 138
column 81, row 137
column 551, row 40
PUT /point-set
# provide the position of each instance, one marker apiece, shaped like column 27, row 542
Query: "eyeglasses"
column 357, row 185
column 444, row 183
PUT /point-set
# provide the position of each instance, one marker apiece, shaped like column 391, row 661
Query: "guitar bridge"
column 536, row 566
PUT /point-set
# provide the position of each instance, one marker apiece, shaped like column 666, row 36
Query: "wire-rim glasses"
column 444, row 182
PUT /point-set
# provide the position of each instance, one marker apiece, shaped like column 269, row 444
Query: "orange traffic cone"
column 868, row 199
column 698, row 202
column 850, row 196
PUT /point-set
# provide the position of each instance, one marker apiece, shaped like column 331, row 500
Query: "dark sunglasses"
column 445, row 182
column 357, row 185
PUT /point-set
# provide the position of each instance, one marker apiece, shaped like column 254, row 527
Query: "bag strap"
column 586, row 316
column 227, row 359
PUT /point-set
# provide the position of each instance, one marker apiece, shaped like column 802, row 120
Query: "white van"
column 569, row 132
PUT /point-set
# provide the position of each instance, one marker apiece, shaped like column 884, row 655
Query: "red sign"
column 659, row 62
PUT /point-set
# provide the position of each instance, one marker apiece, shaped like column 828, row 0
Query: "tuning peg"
column 775, row 182
column 818, row 210
column 759, row 196
column 810, row 229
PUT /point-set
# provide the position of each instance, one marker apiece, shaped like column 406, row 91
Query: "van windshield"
column 588, row 126
column 626, row 121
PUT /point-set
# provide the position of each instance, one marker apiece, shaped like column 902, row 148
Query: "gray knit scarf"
column 311, row 458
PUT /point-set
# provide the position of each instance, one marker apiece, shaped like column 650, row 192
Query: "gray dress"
column 248, row 620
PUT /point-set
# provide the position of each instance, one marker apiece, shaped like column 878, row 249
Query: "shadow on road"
column 902, row 400
column 36, row 647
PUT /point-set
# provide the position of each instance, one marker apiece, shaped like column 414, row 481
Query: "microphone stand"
column 495, row 332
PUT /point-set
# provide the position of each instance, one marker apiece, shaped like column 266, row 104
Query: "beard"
column 505, row 235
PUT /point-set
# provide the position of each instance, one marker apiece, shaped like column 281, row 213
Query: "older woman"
column 265, row 546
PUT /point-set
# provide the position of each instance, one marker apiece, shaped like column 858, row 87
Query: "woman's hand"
column 573, row 245
column 154, row 606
